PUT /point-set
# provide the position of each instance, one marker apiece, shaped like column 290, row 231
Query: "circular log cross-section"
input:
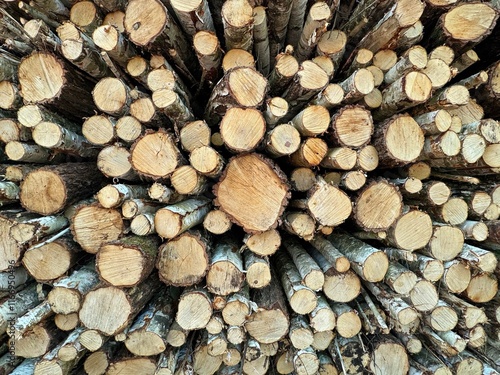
column 252, row 192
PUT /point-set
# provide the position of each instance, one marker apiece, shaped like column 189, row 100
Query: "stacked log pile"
column 282, row 186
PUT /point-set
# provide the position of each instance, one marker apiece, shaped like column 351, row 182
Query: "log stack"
column 283, row 186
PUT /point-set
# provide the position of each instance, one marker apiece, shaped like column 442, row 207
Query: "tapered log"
column 147, row 334
column 314, row 27
column 362, row 59
column 429, row 268
column 309, row 81
column 173, row 220
column 362, row 256
column 237, row 18
column 299, row 223
column 90, row 225
column 400, row 279
column 269, row 323
column 67, row 294
column 57, row 87
column 159, row 33
column 193, row 16
column 208, row 52
column 258, row 270
column 165, row 77
column 332, row 44
column 310, row 272
column 302, row 299
column 225, row 275
column 241, row 87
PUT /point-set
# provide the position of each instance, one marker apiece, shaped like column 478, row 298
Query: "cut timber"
column 109, row 39
column 49, row 190
column 412, row 231
column 207, row 161
column 453, row 212
column 237, row 308
column 51, row 260
column 56, row 137
column 226, row 273
column 399, row 278
column 258, row 270
column 261, row 39
column 310, row 153
column 151, row 163
column 193, row 16
column 44, row 79
column 208, row 51
column 434, row 122
column 238, row 21
column 265, row 189
column 67, row 293
column 112, row 196
column 242, row 129
column 369, row 263
column 113, row 162
column 195, row 134
column 264, row 243
column 442, row 318
column 482, row 288
column 299, row 223
column 112, row 95
column 331, row 254
column 402, row 14
column 269, row 323
column 93, row 226
column 310, row 272
column 279, row 19
column 314, row 27
column 465, row 25
column 147, row 335
column 438, row 72
column 282, row 140
column 312, row 121
column 357, row 85
column 337, row 210
column 171, row 262
column 240, row 87
column 415, row 58
column 149, row 25
column 27, row 152
column 446, row 243
column 237, row 57
column 474, row 230
column 433, row 193
column 302, row 299
column 32, row 229
column 309, row 81
column 187, row 181
column 389, row 357
column 408, row 91
column 136, row 254
column 376, row 195
column 352, row 126
column 457, row 276
column 132, row 365
column 173, row 220
column 99, row 130
column 194, row 309
column 332, row 44
column 217, row 222
column 285, row 68
column 109, row 309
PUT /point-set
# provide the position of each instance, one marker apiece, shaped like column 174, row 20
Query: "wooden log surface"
column 247, row 186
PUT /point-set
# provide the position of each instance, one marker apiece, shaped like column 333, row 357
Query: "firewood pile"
column 249, row 187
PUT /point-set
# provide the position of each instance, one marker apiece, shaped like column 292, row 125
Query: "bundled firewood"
column 252, row 187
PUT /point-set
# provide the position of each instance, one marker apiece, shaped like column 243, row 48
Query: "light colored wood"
column 242, row 129
column 352, row 126
column 194, row 134
column 187, row 181
column 217, row 222
column 360, row 83
column 276, row 109
column 226, row 273
column 330, row 97
column 310, row 153
column 194, row 309
column 171, row 265
column 113, row 162
column 237, row 18
column 284, row 139
column 258, row 270
column 337, row 210
column 362, row 256
column 314, row 27
column 332, row 44
column 370, row 197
